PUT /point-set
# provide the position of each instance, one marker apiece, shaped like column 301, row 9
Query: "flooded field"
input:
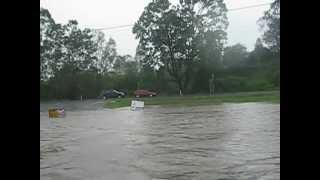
column 229, row 141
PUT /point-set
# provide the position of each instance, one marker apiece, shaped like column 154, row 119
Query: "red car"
column 143, row 93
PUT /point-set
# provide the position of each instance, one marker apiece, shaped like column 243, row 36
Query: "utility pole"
column 211, row 85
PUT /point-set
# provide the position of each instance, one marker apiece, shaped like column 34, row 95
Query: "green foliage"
column 270, row 22
column 178, row 49
column 270, row 97
column 173, row 36
column 234, row 55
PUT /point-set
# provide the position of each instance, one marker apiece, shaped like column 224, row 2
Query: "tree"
column 47, row 41
column 270, row 23
column 100, row 43
column 131, row 74
column 234, row 56
column 260, row 56
column 171, row 36
column 66, row 52
column 79, row 47
column 121, row 63
column 210, row 60
column 107, row 57
column 212, row 48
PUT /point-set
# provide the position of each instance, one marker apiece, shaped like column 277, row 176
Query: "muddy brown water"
column 228, row 141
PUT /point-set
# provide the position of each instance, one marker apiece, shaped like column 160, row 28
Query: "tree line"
column 180, row 47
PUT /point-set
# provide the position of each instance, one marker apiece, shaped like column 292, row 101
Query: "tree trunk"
column 181, row 90
column 187, row 78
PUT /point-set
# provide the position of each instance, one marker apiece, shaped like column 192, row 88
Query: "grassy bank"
column 195, row 100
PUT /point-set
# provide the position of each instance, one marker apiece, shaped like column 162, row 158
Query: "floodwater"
column 228, row 141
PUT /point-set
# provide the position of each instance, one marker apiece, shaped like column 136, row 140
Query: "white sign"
column 137, row 105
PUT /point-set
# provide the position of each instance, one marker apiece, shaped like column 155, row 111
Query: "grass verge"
column 196, row 100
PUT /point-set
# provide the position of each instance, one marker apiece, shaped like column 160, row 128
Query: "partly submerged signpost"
column 137, row 105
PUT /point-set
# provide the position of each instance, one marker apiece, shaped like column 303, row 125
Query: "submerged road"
column 228, row 141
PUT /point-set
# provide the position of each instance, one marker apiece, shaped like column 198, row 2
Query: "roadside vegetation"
column 176, row 53
column 196, row 100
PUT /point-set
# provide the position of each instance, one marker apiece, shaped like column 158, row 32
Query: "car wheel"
column 151, row 95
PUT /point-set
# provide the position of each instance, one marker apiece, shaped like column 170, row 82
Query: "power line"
column 248, row 7
column 115, row 27
column 234, row 9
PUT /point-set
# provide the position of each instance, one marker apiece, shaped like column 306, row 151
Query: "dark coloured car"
column 113, row 94
column 144, row 93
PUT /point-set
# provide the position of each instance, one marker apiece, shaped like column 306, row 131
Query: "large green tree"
column 270, row 23
column 234, row 55
column 106, row 53
column 260, row 56
column 172, row 35
column 47, row 43
column 79, row 47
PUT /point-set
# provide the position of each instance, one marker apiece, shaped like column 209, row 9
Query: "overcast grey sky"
column 242, row 28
